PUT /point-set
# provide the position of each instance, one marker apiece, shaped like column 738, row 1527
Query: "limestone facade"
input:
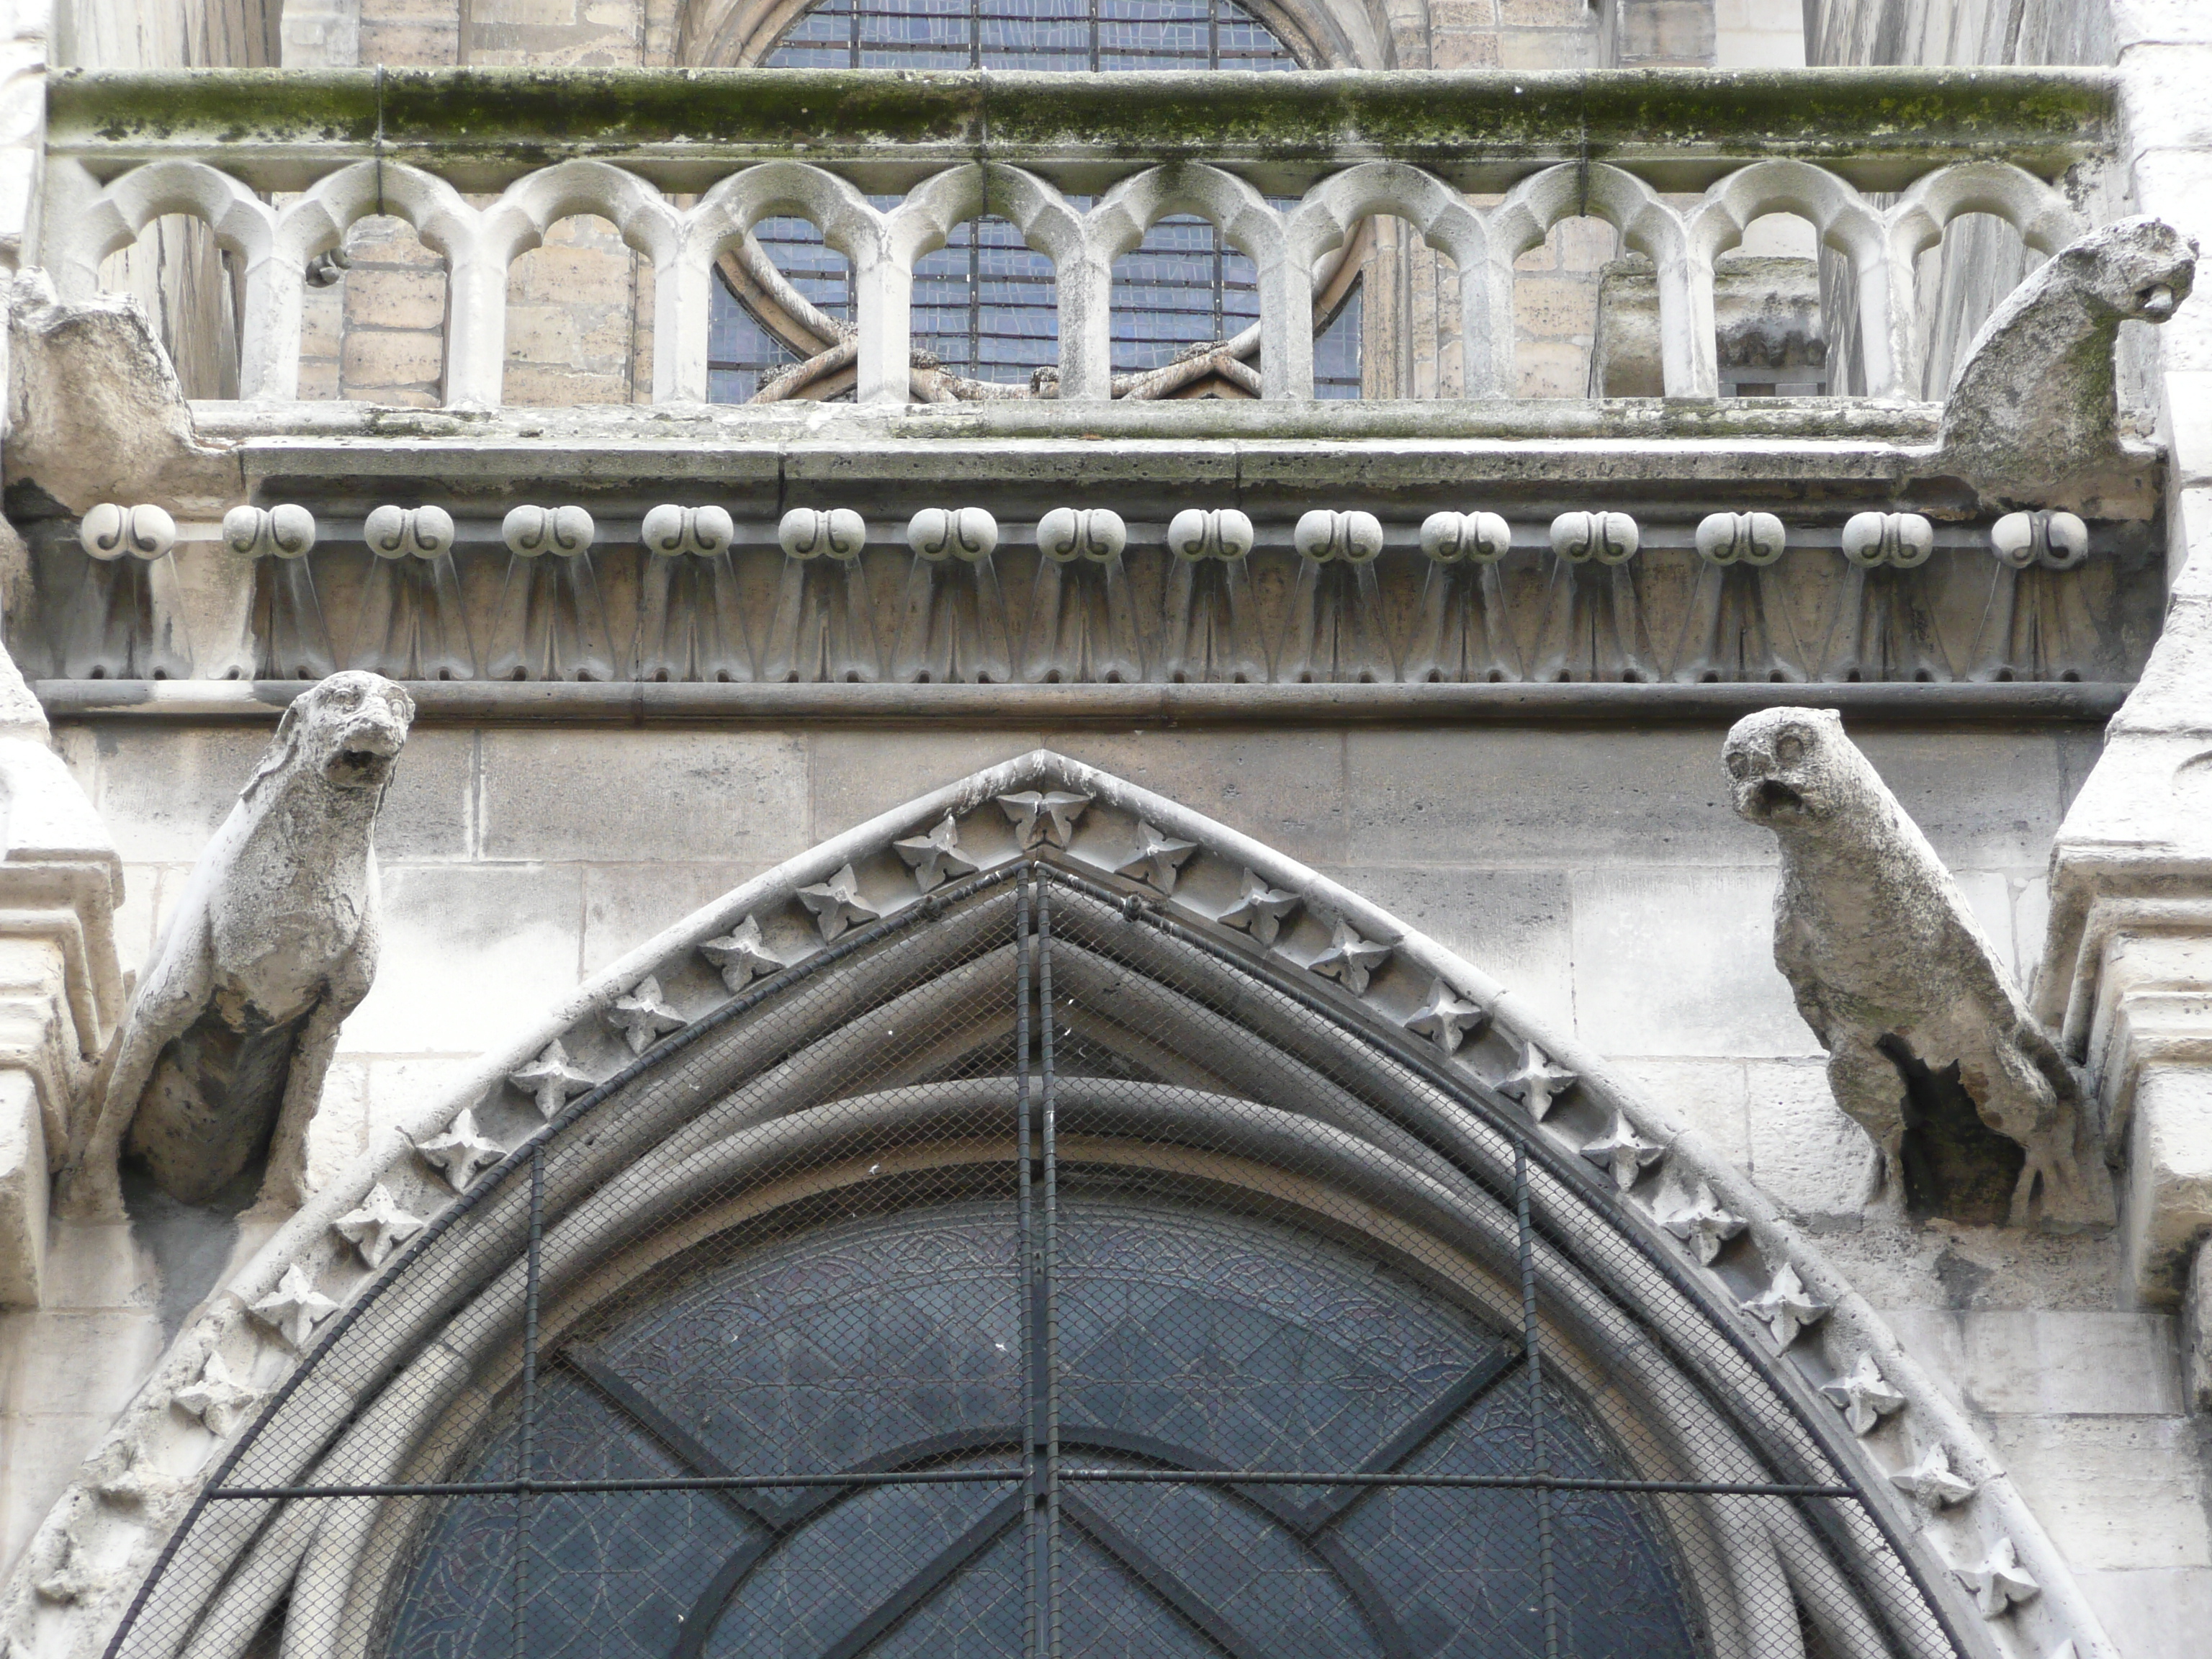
column 582, row 803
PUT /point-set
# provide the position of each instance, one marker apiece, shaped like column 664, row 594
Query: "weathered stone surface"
column 2032, row 417
column 1901, row 986
column 273, row 945
column 95, row 412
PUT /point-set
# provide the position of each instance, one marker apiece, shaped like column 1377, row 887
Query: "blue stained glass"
column 985, row 305
column 1188, row 1339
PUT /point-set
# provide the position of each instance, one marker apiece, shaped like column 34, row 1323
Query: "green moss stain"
column 2044, row 118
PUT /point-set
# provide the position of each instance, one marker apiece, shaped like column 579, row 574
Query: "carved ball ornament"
column 966, row 533
column 396, row 532
column 1224, row 534
column 1354, row 538
column 284, row 532
column 530, row 530
column 808, row 532
column 670, row 530
column 2055, row 541
column 1900, row 540
column 109, row 531
column 1477, row 537
column 1068, row 533
column 1608, row 538
column 1756, row 538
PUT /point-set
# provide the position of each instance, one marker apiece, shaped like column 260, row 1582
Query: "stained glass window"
column 984, row 304
column 1188, row 1339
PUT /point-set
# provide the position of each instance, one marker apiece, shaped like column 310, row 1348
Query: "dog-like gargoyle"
column 221, row 1061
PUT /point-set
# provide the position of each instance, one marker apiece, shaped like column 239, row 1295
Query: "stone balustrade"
column 483, row 164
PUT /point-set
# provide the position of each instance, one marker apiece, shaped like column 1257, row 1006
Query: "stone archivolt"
column 1341, row 949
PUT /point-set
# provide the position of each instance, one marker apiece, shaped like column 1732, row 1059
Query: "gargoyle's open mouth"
column 1776, row 798
column 357, row 767
column 2156, row 304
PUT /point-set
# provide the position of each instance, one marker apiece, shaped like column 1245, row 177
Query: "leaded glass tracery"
column 1190, row 1339
column 985, row 305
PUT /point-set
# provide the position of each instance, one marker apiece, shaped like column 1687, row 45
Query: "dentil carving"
column 223, row 1058
column 1594, row 625
column 1739, row 627
column 689, row 623
column 413, row 625
column 1883, row 629
column 294, row 643
column 1335, row 632
column 1083, row 617
column 1904, row 992
column 1464, row 630
column 551, row 624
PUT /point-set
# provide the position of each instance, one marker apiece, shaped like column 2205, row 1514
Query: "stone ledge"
column 633, row 703
column 485, row 126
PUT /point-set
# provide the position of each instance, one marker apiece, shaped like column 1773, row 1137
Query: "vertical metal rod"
column 1533, row 1358
column 1051, row 1269
column 1032, row 1434
column 527, row 1455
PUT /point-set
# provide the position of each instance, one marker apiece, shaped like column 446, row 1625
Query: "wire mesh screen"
column 1036, row 1273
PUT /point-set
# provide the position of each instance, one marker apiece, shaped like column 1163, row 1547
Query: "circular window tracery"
column 985, row 305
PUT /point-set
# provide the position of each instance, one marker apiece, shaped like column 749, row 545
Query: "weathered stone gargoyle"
column 275, row 943
column 2032, row 417
column 1930, row 1046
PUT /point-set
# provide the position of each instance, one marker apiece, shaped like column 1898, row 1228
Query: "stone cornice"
column 1879, row 126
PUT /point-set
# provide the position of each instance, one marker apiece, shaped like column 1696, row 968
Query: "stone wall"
column 1601, row 873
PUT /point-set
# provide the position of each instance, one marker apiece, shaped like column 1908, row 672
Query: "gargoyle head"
column 1792, row 768
column 2139, row 269
column 347, row 730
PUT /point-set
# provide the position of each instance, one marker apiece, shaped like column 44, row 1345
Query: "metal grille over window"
column 1042, row 1270
column 986, row 305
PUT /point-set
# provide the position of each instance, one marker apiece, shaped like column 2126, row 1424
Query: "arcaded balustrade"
column 280, row 166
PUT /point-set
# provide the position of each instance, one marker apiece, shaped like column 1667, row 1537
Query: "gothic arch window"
column 1042, row 1210
column 984, row 305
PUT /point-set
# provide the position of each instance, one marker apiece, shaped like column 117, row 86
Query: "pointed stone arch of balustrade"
column 1247, row 222
column 1689, row 357
column 94, row 222
column 1916, row 221
column 881, row 245
column 645, row 220
column 1366, row 1058
column 1325, row 219
column 1843, row 221
column 1054, row 227
column 318, row 221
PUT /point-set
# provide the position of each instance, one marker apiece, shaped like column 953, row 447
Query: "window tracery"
column 986, row 304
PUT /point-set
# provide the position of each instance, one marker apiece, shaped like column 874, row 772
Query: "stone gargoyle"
column 221, row 1060
column 2032, row 417
column 1930, row 1046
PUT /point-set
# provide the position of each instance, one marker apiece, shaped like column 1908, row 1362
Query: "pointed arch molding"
column 312, row 1366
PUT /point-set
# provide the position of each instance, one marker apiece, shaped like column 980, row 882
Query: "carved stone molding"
column 1060, row 811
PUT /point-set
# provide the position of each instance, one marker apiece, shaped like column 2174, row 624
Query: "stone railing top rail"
column 1681, row 128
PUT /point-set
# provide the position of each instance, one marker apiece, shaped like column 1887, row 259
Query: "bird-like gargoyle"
column 1900, row 984
column 223, row 1058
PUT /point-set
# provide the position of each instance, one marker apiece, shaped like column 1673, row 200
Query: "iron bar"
column 957, row 1477
column 1033, row 1563
column 525, row 1455
column 1532, row 1349
column 1051, row 1267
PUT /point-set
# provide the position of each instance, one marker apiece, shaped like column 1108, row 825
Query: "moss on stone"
column 520, row 116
